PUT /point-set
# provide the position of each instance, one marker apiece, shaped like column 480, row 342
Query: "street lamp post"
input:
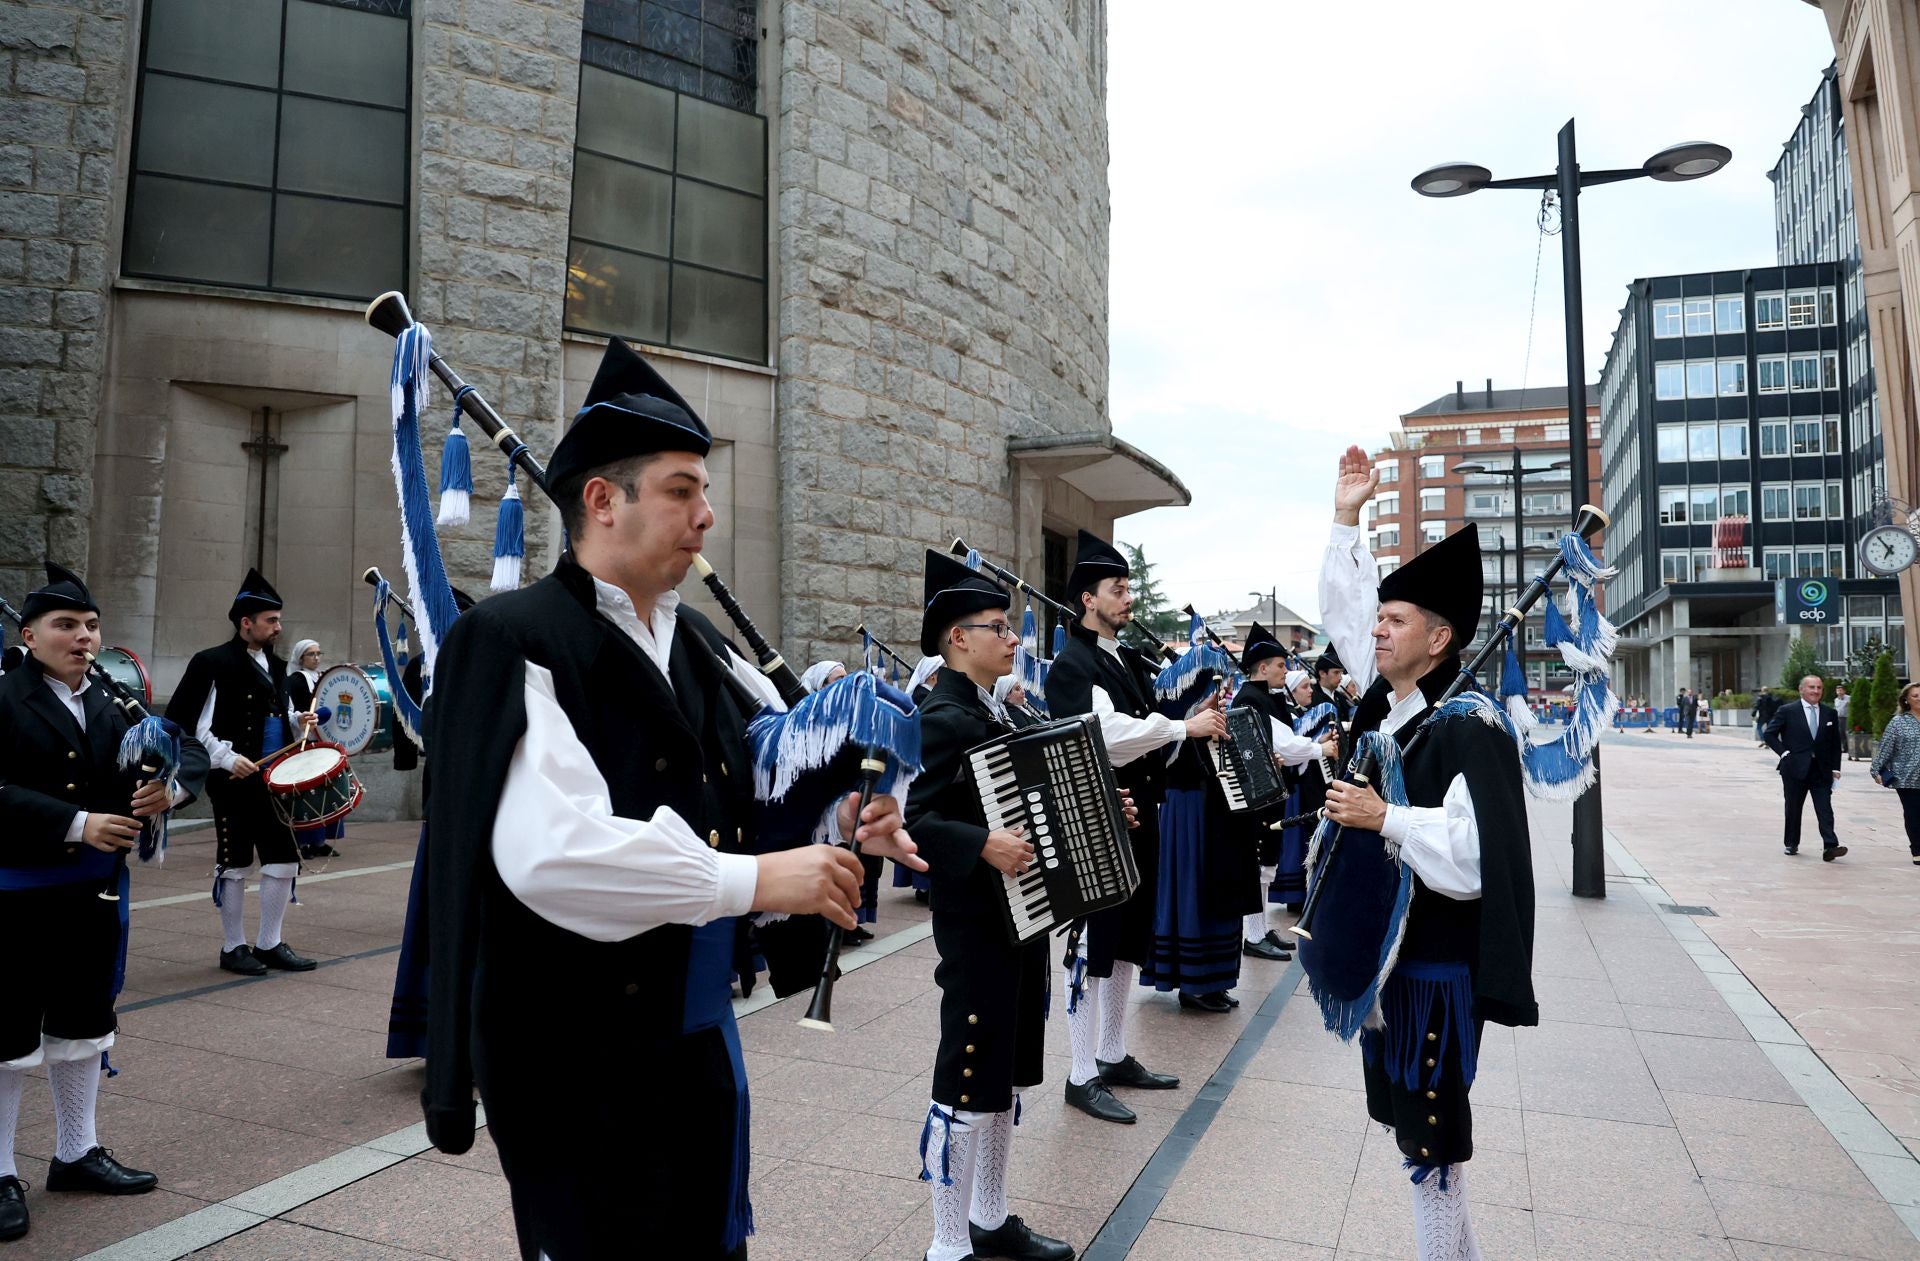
column 1674, row 164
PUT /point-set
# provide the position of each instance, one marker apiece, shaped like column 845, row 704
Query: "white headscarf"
column 923, row 672
column 816, row 676
column 300, row 650
column 1295, row 678
column 1003, row 687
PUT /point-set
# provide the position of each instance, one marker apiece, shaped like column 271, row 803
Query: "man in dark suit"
column 1806, row 735
column 1689, row 705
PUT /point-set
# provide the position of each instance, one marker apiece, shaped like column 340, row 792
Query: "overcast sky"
column 1279, row 291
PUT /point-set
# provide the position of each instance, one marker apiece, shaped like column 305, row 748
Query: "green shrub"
column 1886, row 692
column 1799, row 664
column 1860, row 712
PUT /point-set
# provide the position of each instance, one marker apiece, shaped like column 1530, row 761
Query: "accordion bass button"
column 973, row 1020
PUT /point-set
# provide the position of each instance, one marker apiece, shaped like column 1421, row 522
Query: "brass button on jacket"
column 659, row 764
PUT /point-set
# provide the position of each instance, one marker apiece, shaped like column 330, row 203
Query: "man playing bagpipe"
column 1095, row 674
column 1329, row 684
column 993, row 996
column 1264, row 662
column 235, row 699
column 68, row 816
column 591, row 832
column 1465, row 943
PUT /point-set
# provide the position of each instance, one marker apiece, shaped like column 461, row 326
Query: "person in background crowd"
column 1806, row 735
column 301, row 680
column 1842, row 705
column 1686, row 704
column 1765, row 706
column 1897, row 764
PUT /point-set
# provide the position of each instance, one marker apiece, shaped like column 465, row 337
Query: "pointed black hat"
column 256, row 596
column 1260, row 645
column 949, row 592
column 630, row 410
column 1096, row 560
column 1329, row 660
column 1445, row 579
column 64, row 590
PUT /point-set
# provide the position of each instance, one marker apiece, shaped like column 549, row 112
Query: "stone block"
column 65, row 492
column 95, row 128
column 25, row 441
column 471, row 53
column 508, row 20
column 23, row 540
column 29, row 214
column 529, row 69
column 16, row 165
column 39, row 28
column 26, row 306
column 36, row 122
column 51, row 79
column 31, row 347
column 83, row 218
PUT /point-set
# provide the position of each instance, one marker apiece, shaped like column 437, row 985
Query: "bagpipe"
column 854, row 735
column 149, row 751
column 1356, row 882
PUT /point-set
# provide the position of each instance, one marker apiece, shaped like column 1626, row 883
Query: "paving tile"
column 1746, row 1250
column 1586, row 1070
column 1222, row 1189
column 1811, row 1220
column 1172, row 1241
column 67, row 1226
column 1561, row 1238
column 1616, row 1171
column 1713, row 1066
column 1289, row 1103
column 1715, row 1021
column 284, row 1241
column 803, row 1212
column 421, row 1206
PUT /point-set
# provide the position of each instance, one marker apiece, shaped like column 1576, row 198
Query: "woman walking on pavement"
column 1897, row 764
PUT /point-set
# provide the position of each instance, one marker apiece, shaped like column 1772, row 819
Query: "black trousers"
column 1820, row 788
column 1910, row 810
column 64, row 940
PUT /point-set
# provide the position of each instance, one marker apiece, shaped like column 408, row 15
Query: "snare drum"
column 126, row 669
column 312, row 787
column 362, row 705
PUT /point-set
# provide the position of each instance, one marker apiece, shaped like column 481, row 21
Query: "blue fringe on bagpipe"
column 407, row 710
column 153, row 746
column 1028, row 665
column 856, row 711
column 1185, row 682
column 1312, row 723
column 419, row 544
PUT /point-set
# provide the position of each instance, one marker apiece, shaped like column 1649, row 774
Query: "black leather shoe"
column 1273, row 938
column 240, row 959
column 282, row 958
column 99, row 1171
column 1264, row 949
column 1131, row 1072
column 1792, row 852
column 1096, row 1100
column 13, row 1208
column 858, row 937
column 1205, row 1002
column 1015, row 1239
column 1832, row 852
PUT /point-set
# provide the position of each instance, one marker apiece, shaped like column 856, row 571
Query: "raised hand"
column 1355, row 485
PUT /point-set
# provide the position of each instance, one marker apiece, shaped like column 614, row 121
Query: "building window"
column 1675, row 567
column 1700, row 378
column 1386, row 505
column 1432, row 466
column 1769, row 311
column 1386, row 565
column 1773, row 437
column 1433, row 501
column 1733, row 441
column 1806, row 437
column 1809, row 501
column 1671, row 443
column 1704, row 503
column 1735, row 500
column 1777, row 562
column 1673, row 505
column 1803, row 372
column 1669, row 380
column 1733, row 376
column 1776, row 502
column 272, row 147
column 710, row 51
column 1837, row 562
column 669, row 233
column 1555, row 433
column 1389, row 472
column 1810, row 563
column 1471, row 438
column 1666, row 319
column 1486, row 503
column 1703, row 441
column 1833, row 501
column 1832, row 425
column 1773, row 374
column 1801, row 311
column 1830, row 370
column 1433, row 531
column 1730, row 315
column 1827, row 313
column 1699, row 317
column 1389, row 537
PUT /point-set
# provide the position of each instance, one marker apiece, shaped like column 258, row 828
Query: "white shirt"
column 1129, row 738
column 562, row 850
column 220, row 753
column 1291, row 749
column 1441, row 843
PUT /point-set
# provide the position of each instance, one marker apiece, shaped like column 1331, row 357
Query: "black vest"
column 245, row 696
column 1082, row 666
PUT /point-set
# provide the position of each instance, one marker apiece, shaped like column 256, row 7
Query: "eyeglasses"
column 1000, row 629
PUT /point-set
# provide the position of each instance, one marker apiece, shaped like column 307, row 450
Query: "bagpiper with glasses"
column 993, row 996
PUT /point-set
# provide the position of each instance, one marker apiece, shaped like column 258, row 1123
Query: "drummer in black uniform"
column 67, row 816
column 993, row 995
column 235, row 699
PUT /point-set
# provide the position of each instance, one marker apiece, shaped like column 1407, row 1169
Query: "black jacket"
column 245, row 698
column 1804, row 757
column 943, row 809
column 1082, row 666
column 49, row 770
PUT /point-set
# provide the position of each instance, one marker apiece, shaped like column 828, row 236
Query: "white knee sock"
column 951, row 1239
column 1080, row 1025
column 12, row 1082
column 233, row 908
column 275, row 892
column 992, row 1153
column 1115, row 991
column 1254, row 927
column 76, row 1087
column 1440, row 1216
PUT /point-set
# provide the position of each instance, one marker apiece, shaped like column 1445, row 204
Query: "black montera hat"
column 64, row 590
column 1445, row 579
column 1329, row 660
column 1096, row 560
column 1259, row 647
column 630, row 410
column 950, row 592
column 256, row 596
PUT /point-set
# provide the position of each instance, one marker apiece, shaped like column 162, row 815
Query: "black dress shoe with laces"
column 1097, row 1101
column 1264, row 949
column 1015, row 1239
column 1131, row 1072
column 1832, row 852
column 240, row 959
column 99, row 1171
column 13, row 1208
column 1205, row 1002
column 282, row 958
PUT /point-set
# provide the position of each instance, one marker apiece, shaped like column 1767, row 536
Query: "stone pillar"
column 62, row 71
column 499, row 86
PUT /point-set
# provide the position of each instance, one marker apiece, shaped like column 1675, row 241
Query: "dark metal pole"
column 1520, row 568
column 1589, row 852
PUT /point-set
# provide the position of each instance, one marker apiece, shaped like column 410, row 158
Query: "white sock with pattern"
column 1254, row 927
column 992, row 1153
column 76, row 1088
column 1114, row 993
column 233, row 908
column 1439, row 1215
column 12, row 1082
column 1080, row 1022
column 951, row 1239
column 275, row 893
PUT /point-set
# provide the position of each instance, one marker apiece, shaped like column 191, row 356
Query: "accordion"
column 1056, row 782
column 1244, row 762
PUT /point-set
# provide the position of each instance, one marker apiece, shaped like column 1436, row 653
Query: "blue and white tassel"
column 456, row 472
column 857, row 710
column 152, row 745
column 509, row 537
column 1186, row 682
column 419, row 544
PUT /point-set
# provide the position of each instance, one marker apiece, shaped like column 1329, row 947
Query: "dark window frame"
column 399, row 9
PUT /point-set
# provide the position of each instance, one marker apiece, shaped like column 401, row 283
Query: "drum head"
column 356, row 705
column 297, row 772
column 126, row 669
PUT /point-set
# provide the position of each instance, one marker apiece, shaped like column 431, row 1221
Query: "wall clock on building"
column 1888, row 549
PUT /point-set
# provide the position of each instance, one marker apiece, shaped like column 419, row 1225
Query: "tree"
column 1150, row 608
column 1886, row 693
column 1863, row 659
column 1800, row 663
column 1860, row 692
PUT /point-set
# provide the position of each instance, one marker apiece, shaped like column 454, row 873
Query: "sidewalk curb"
column 1883, row 1158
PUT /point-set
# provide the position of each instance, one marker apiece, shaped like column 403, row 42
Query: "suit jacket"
column 1805, row 757
column 943, row 809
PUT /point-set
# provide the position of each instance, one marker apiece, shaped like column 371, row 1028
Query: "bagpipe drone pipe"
column 855, row 735
column 149, row 752
column 1358, row 890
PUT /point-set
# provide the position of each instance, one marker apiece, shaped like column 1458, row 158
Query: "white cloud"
column 1278, row 290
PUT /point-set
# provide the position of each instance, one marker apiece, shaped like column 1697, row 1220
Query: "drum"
column 313, row 786
column 361, row 702
column 126, row 669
